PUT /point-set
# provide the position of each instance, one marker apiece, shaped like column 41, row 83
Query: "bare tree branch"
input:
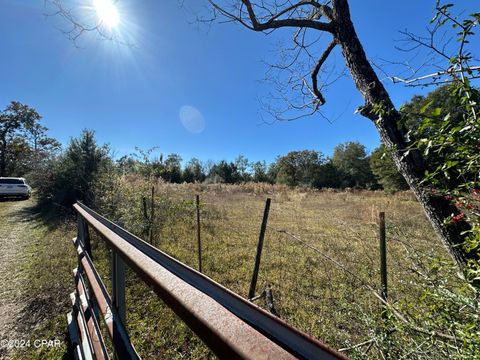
column 315, row 71
column 435, row 76
column 79, row 26
column 274, row 22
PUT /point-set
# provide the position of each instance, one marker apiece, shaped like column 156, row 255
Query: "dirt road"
column 14, row 237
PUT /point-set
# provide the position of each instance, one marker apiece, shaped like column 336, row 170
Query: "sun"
column 107, row 13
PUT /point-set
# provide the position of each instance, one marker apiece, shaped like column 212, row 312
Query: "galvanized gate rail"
column 232, row 327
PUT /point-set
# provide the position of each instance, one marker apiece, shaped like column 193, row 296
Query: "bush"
column 71, row 176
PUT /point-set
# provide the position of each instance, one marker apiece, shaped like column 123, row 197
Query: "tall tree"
column 193, row 171
column 173, row 168
column 328, row 176
column 298, row 167
column 260, row 173
column 333, row 18
column 224, row 172
column 385, row 170
column 72, row 175
column 15, row 122
column 351, row 160
column 242, row 164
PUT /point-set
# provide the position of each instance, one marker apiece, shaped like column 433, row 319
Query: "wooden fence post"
column 152, row 213
column 258, row 256
column 197, row 200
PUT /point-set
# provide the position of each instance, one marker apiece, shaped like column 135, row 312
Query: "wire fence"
column 320, row 263
column 311, row 289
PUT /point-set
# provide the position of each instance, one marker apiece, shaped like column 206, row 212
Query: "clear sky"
column 208, row 76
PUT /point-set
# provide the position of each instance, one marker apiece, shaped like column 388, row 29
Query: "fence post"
column 152, row 206
column 383, row 256
column 83, row 235
column 145, row 215
column 118, row 284
column 258, row 256
column 197, row 200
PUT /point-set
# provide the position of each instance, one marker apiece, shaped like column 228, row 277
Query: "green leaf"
column 437, row 111
column 425, row 107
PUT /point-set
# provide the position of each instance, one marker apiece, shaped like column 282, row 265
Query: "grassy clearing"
column 309, row 292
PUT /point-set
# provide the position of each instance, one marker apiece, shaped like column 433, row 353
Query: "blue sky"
column 133, row 96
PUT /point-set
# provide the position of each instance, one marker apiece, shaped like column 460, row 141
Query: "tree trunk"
column 410, row 166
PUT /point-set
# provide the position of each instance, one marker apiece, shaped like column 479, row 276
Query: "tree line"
column 68, row 175
column 350, row 166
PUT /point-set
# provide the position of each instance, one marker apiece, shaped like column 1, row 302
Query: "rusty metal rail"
column 232, row 327
column 94, row 336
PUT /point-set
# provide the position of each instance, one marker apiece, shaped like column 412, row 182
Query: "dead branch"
column 435, row 76
column 366, row 342
column 315, row 71
column 300, row 15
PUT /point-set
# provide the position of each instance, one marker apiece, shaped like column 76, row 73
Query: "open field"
column 320, row 255
column 307, row 232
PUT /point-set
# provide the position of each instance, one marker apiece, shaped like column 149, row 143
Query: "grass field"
column 309, row 233
column 306, row 230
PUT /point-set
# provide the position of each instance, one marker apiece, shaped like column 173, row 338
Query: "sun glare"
column 107, row 13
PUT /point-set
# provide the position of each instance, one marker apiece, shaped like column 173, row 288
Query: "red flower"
column 458, row 217
column 448, row 197
column 476, row 191
column 459, row 204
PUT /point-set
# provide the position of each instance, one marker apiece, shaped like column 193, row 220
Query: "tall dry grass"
column 307, row 229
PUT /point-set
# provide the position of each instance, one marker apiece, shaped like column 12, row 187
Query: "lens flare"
column 107, row 13
column 192, row 119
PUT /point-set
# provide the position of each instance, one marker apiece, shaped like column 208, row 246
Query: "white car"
column 11, row 186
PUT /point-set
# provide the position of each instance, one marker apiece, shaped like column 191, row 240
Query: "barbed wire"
column 300, row 271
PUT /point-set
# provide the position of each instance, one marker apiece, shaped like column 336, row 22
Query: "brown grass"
column 310, row 292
